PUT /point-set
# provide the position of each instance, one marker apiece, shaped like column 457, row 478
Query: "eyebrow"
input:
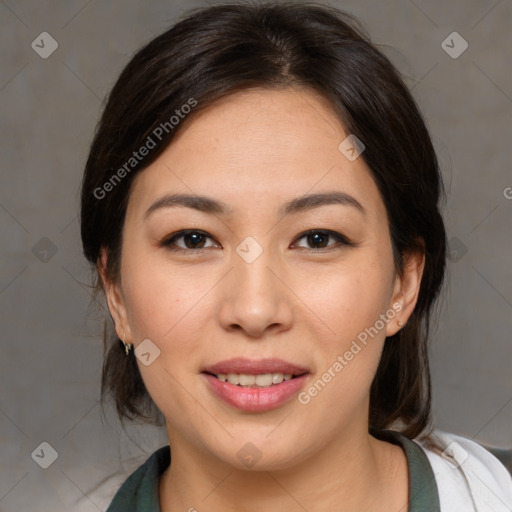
column 212, row 206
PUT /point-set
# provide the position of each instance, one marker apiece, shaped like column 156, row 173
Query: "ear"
column 406, row 289
column 114, row 297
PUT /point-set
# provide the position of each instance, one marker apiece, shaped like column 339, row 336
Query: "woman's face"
column 248, row 283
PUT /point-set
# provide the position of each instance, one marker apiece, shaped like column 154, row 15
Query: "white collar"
column 469, row 478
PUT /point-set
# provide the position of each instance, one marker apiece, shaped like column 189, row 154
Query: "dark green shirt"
column 139, row 492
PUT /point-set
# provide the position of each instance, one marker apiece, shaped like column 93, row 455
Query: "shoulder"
column 469, row 477
column 140, row 490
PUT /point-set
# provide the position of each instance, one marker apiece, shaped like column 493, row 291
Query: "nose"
column 255, row 298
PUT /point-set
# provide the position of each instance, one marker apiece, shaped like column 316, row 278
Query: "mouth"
column 255, row 385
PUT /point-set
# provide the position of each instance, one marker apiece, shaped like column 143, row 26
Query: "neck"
column 354, row 473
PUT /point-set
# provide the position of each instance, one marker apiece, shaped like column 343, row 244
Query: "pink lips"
column 254, row 399
column 255, row 366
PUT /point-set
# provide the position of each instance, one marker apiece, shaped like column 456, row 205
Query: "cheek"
column 161, row 299
column 347, row 300
column 166, row 305
column 349, row 304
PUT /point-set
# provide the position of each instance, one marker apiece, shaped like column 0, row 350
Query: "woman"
column 261, row 204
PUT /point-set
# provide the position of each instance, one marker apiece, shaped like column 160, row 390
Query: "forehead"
column 262, row 145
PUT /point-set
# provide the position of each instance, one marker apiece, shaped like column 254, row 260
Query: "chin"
column 257, row 452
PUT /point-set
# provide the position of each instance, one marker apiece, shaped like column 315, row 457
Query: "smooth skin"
column 255, row 150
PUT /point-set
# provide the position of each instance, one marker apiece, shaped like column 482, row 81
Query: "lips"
column 246, row 366
column 253, row 397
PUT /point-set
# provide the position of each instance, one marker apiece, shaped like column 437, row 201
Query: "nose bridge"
column 253, row 277
column 255, row 298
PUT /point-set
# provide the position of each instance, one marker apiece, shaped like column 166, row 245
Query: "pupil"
column 314, row 238
column 195, row 239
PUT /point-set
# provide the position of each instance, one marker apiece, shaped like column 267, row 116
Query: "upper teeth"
column 262, row 380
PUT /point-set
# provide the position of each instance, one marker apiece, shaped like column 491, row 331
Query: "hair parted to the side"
column 218, row 50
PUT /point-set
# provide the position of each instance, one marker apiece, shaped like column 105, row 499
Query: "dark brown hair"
column 218, row 50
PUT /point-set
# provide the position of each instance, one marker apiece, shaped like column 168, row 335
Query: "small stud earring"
column 400, row 323
column 127, row 346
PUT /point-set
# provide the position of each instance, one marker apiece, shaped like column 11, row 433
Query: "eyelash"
column 340, row 239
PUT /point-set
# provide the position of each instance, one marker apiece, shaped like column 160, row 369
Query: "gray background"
column 51, row 349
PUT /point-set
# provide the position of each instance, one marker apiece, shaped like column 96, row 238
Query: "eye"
column 319, row 238
column 194, row 240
